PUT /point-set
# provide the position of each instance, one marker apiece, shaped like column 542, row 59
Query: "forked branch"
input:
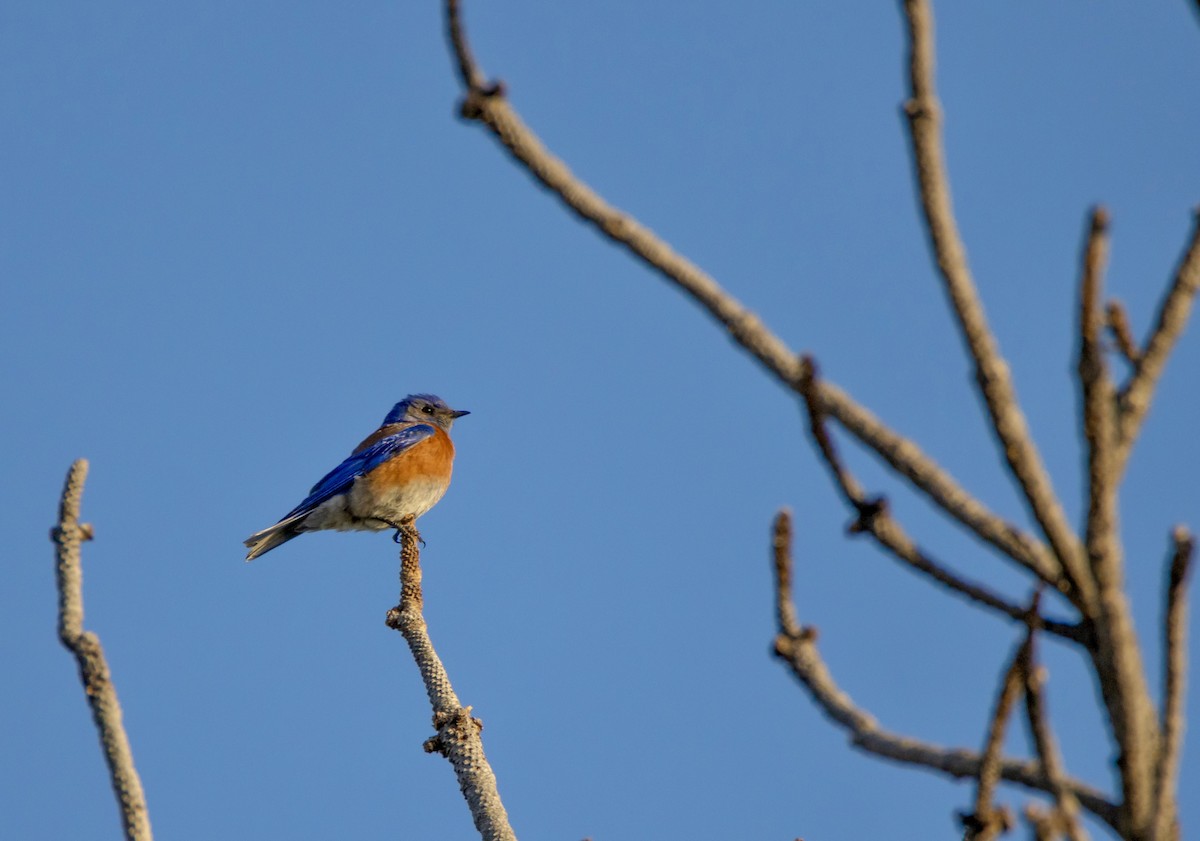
column 796, row 644
column 991, row 371
column 1173, row 314
column 873, row 517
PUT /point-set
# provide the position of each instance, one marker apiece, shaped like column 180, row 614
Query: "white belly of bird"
column 361, row 511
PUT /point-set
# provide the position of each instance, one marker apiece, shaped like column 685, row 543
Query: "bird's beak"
column 458, row 413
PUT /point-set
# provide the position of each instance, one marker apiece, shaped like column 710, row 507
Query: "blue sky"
column 233, row 235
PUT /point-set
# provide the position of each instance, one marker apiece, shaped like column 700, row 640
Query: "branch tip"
column 1173, row 313
column 1118, row 324
column 1172, row 715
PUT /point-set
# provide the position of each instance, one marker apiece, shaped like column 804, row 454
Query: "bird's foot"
column 400, row 527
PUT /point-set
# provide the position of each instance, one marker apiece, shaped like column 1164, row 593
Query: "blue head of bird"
column 424, row 408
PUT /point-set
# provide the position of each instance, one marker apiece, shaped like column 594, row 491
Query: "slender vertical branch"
column 1173, row 314
column 457, row 732
column 1099, row 422
column 1175, row 628
column 1117, row 656
column 781, row 556
column 1066, row 807
column 98, row 686
column 987, row 821
column 991, row 371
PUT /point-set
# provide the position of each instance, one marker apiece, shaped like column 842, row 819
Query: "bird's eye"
column 427, row 409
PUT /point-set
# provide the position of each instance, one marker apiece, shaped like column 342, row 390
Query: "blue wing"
column 341, row 477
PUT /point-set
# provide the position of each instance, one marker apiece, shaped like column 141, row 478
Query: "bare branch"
column 98, row 687
column 988, row 822
column 799, row 650
column 1066, row 811
column 1064, row 564
column 486, row 103
column 1173, row 314
column 1118, row 324
column 874, row 518
column 991, row 371
column 457, row 732
column 1175, row 627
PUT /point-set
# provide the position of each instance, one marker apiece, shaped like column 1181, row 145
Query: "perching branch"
column 457, row 735
column 98, row 687
column 991, row 372
column 796, row 645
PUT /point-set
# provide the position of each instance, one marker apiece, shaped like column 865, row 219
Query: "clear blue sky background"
column 234, row 234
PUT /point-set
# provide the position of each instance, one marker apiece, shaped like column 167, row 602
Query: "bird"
column 400, row 470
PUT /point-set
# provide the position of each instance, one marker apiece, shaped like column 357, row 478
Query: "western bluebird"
column 401, row 470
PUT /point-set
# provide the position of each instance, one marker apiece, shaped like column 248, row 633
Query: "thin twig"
column 1066, row 807
column 907, row 459
column 874, row 517
column 798, row 649
column 1117, row 321
column 457, row 732
column 487, row 104
column 781, row 556
column 991, row 371
column 1117, row 656
column 98, row 686
column 468, row 70
column 1047, row 824
column 988, row 822
column 1099, row 422
column 1136, row 396
column 1175, row 629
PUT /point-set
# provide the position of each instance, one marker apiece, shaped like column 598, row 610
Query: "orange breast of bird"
column 428, row 462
